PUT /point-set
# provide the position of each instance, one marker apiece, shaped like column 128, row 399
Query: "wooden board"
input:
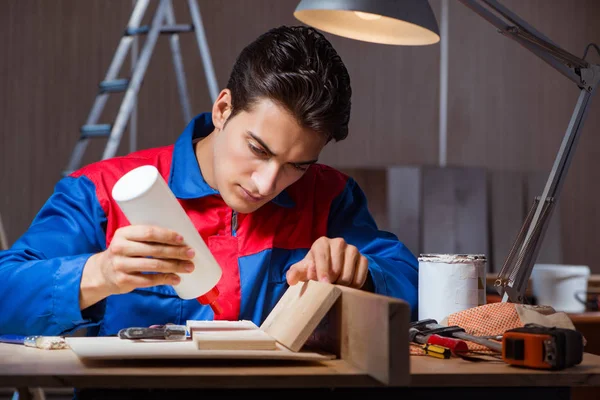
column 241, row 339
column 113, row 348
column 229, row 335
column 198, row 325
column 370, row 331
column 404, row 205
column 455, row 218
column 299, row 311
column 372, row 181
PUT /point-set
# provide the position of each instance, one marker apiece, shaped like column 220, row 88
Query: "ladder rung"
column 99, row 130
column 166, row 29
column 116, row 85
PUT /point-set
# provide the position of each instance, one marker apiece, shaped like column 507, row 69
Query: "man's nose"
column 265, row 179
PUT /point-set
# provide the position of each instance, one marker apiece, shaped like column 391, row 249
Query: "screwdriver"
column 456, row 346
column 436, row 351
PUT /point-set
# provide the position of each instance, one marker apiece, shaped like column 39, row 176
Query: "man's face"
column 257, row 154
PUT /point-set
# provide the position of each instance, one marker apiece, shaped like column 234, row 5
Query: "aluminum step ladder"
column 163, row 22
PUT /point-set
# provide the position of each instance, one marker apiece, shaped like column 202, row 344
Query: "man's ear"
column 222, row 109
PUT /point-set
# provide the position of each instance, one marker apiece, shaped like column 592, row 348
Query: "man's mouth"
column 250, row 196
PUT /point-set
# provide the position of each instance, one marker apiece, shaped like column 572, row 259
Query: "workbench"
column 27, row 367
column 367, row 332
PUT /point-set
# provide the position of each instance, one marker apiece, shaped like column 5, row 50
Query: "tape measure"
column 541, row 347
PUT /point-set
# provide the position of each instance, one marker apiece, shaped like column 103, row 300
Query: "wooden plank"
column 218, row 325
column 299, row 311
column 472, row 233
column 551, row 248
column 372, row 181
column 404, row 205
column 110, row 348
column 438, row 210
column 507, row 214
column 369, row 331
column 455, row 217
column 242, row 339
column 375, row 335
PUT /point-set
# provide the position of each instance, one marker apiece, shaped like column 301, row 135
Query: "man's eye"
column 300, row 167
column 256, row 150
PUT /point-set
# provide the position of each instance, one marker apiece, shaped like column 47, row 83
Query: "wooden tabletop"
column 24, row 366
column 430, row 371
column 589, row 317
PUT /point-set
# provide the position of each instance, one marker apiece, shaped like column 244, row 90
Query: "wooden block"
column 299, row 311
column 244, row 339
column 370, row 331
column 202, row 326
column 375, row 334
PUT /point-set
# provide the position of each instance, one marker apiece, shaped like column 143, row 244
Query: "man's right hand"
column 134, row 251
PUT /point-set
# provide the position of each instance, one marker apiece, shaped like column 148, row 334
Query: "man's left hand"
column 332, row 261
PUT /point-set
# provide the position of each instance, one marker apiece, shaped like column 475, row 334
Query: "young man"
column 247, row 175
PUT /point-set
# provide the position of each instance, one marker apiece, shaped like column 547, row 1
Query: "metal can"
column 449, row 283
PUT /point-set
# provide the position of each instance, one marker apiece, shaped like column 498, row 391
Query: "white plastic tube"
column 146, row 199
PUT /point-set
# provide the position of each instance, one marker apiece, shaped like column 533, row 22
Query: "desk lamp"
column 412, row 22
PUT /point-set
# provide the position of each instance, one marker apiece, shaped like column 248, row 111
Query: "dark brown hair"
column 298, row 68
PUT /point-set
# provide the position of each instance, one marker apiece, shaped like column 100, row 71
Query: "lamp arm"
column 513, row 278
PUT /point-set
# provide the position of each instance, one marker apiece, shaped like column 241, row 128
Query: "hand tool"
column 542, row 347
column 37, row 341
column 167, row 332
column 436, row 351
column 430, row 326
column 456, row 346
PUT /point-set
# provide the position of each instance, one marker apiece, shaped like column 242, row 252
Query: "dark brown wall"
column 507, row 109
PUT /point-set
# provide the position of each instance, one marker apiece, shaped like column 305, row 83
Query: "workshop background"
column 507, row 112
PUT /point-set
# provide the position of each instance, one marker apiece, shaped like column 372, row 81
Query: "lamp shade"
column 396, row 22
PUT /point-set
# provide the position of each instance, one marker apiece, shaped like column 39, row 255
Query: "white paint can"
column 449, row 283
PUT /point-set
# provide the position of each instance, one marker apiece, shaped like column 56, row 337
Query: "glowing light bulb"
column 367, row 16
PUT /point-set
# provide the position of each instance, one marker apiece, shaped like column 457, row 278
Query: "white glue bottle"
column 146, row 199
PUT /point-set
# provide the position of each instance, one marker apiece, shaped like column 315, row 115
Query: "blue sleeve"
column 392, row 266
column 41, row 272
